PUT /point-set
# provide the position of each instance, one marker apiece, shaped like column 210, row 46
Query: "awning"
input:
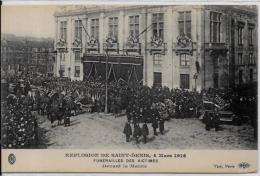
column 114, row 59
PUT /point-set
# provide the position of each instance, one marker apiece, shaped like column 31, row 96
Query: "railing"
column 93, row 47
column 161, row 49
column 132, row 47
column 184, row 50
column 216, row 46
column 111, row 47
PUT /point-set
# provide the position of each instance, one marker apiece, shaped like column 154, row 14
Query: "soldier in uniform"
column 137, row 132
column 127, row 131
column 145, row 132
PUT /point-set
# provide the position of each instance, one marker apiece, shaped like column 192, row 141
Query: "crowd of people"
column 142, row 104
column 19, row 125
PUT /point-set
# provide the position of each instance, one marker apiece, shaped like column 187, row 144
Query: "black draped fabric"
column 139, row 72
column 122, row 71
column 87, row 70
column 116, row 71
column 111, row 73
column 101, row 70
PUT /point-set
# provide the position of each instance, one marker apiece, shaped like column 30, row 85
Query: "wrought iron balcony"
column 216, row 46
column 136, row 48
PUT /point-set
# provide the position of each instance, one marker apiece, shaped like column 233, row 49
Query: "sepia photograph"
column 96, row 76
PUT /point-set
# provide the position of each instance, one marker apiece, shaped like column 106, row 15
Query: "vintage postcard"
column 130, row 88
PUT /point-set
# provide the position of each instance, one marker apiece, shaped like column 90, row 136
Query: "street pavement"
column 104, row 131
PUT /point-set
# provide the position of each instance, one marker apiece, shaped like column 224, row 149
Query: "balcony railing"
column 111, row 47
column 183, row 50
column 132, row 48
column 216, row 46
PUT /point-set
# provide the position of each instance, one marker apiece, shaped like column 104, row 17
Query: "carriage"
column 85, row 104
column 225, row 116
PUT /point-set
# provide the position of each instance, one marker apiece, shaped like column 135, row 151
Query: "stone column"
column 167, row 77
column 56, row 64
column 149, row 59
column 143, row 40
column 121, row 31
column 175, row 58
column 102, row 34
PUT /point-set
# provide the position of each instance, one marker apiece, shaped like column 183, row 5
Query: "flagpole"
column 106, row 108
column 84, row 28
column 144, row 31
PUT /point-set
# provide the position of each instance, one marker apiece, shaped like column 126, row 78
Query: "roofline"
column 236, row 9
column 105, row 8
column 102, row 8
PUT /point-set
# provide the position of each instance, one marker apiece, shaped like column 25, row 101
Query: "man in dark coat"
column 137, row 132
column 127, row 131
column 66, row 116
column 216, row 120
column 145, row 132
column 128, row 113
column 207, row 121
column 155, row 117
column 155, row 126
column 161, row 125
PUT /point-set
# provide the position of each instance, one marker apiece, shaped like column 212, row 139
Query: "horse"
column 55, row 110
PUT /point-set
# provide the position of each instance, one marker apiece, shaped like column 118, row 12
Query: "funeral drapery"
column 119, row 68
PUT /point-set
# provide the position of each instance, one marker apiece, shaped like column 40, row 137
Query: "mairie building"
column 189, row 47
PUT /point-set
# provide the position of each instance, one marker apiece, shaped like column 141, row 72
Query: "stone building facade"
column 20, row 54
column 190, row 47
